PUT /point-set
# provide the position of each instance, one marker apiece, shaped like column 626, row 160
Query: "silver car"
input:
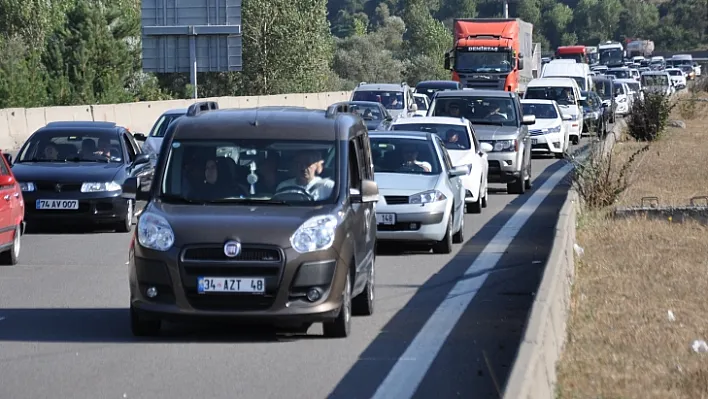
column 421, row 197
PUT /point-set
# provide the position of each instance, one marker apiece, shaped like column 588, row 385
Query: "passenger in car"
column 306, row 166
column 410, row 157
column 50, row 152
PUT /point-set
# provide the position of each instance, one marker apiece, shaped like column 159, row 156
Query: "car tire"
column 12, row 255
column 363, row 304
column 459, row 237
column 444, row 246
column 527, row 182
column 486, row 195
column 475, row 207
column 559, row 155
column 142, row 327
column 518, row 186
column 341, row 326
column 126, row 224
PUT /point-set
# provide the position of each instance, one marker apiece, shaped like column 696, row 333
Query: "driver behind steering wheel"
column 307, row 165
column 495, row 108
column 410, row 157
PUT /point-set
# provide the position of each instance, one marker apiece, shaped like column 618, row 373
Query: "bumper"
column 504, row 167
column 286, row 280
column 93, row 207
column 574, row 128
column 547, row 143
column 414, row 222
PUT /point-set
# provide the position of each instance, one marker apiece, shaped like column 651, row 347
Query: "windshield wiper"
column 77, row 159
column 496, row 123
column 41, row 160
column 179, row 199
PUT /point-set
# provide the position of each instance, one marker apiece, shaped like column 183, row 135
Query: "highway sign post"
column 191, row 36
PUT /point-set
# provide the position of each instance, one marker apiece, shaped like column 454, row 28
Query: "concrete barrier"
column 533, row 375
column 17, row 124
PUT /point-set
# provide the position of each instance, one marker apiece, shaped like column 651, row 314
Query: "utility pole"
column 506, row 8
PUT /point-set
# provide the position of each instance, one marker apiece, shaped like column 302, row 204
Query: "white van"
column 580, row 72
column 566, row 92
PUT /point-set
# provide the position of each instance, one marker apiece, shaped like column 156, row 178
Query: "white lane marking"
column 405, row 376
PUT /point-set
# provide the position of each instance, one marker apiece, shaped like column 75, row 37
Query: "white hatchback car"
column 465, row 150
column 549, row 134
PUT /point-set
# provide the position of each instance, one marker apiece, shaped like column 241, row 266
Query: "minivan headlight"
column 426, row 197
column 155, row 232
column 94, row 187
column 316, row 234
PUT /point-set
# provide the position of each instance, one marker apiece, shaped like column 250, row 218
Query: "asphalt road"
column 64, row 323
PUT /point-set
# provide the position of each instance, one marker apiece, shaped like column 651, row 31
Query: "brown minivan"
column 263, row 215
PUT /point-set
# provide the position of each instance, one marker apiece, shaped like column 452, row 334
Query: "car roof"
column 82, row 126
column 551, row 82
column 277, row 122
column 473, row 93
column 175, row 111
column 626, row 81
column 451, row 83
column 618, row 68
column 447, row 120
column 662, row 73
column 367, row 103
column 672, row 69
column 402, row 134
column 380, row 87
column 420, row 95
column 534, row 101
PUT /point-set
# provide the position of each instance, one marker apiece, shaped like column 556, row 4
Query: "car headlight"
column 155, row 232
column 623, row 100
column 573, row 117
column 426, row 197
column 316, row 234
column 504, row 145
column 27, row 186
column 94, row 187
column 555, row 129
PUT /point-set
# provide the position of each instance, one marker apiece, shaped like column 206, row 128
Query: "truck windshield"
column 479, row 110
column 593, row 58
column 611, row 56
column 483, row 61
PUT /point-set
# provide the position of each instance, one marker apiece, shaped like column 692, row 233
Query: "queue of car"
column 312, row 191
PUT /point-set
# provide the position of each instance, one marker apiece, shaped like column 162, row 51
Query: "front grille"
column 216, row 254
column 494, row 165
column 210, row 261
column 400, row 226
column 396, row 199
column 537, row 132
column 57, row 187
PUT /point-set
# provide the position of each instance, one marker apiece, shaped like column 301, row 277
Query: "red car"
column 12, row 213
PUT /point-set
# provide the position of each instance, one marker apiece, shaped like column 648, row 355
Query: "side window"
column 446, row 156
column 136, row 147
column 366, row 163
column 129, row 147
column 4, row 171
column 354, row 168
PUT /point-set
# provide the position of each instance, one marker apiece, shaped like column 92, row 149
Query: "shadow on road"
column 112, row 325
column 477, row 356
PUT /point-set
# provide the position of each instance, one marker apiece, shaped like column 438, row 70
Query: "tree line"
column 70, row 52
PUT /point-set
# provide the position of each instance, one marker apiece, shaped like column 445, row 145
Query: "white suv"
column 396, row 98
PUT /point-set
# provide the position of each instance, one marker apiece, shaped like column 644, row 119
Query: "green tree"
column 22, row 78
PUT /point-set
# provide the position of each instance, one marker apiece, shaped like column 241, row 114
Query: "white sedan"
column 464, row 149
column 549, row 134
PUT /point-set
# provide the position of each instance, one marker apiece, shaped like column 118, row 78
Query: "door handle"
column 7, row 197
column 17, row 195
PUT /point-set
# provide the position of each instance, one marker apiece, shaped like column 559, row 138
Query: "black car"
column 595, row 116
column 430, row 87
column 262, row 215
column 374, row 114
column 604, row 87
column 73, row 171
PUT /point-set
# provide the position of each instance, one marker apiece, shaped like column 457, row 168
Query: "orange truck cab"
column 577, row 53
column 491, row 53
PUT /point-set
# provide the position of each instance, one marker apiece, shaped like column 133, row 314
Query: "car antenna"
column 254, row 122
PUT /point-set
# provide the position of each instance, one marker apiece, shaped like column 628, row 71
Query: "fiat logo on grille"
column 58, row 187
column 232, row 249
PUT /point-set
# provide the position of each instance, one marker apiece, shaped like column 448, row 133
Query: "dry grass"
column 621, row 343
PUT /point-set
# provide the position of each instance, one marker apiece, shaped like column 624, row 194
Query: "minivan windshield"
column 455, row 137
column 403, row 155
column 562, row 95
column 251, row 171
column 478, row 110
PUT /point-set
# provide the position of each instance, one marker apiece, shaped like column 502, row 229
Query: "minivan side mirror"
column 447, row 61
column 528, row 120
column 141, row 159
column 131, row 190
column 486, row 147
column 139, row 136
column 369, row 192
column 521, row 63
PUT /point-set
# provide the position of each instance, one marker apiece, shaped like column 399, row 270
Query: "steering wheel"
column 294, row 190
column 411, row 167
column 497, row 117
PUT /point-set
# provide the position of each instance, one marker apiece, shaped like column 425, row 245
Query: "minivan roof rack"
column 201, row 107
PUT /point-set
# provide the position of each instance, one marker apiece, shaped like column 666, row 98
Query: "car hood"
column 493, row 132
column 262, row 224
column 404, row 184
column 544, row 124
column 66, row 171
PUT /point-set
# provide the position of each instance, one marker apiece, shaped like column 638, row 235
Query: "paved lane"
column 64, row 322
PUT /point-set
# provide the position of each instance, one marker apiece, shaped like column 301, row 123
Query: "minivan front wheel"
column 142, row 327
column 341, row 326
column 363, row 304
